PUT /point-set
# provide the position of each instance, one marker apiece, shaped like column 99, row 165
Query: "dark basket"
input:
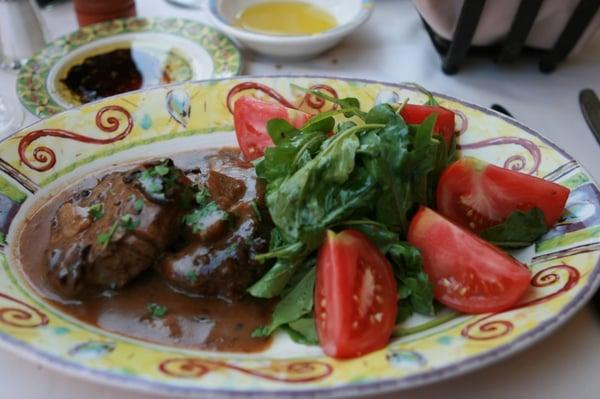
column 454, row 52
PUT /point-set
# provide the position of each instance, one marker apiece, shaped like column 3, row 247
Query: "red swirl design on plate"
column 275, row 370
column 46, row 156
column 20, row 314
column 515, row 162
column 485, row 329
column 312, row 101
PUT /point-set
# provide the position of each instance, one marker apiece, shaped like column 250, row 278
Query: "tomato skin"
column 355, row 296
column 250, row 116
column 414, row 114
column 468, row 274
column 478, row 195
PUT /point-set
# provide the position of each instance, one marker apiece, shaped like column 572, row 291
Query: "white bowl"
column 350, row 14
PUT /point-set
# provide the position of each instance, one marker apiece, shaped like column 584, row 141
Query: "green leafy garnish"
column 303, row 331
column 192, row 276
column 157, row 180
column 138, row 205
column 198, row 219
column 156, row 311
column 372, row 174
column 2, row 238
column 520, row 229
column 297, row 303
column 161, row 170
column 96, row 211
column 104, row 238
column 202, row 196
column 231, row 249
column 128, row 222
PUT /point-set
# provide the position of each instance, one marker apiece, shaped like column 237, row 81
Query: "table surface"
column 393, row 46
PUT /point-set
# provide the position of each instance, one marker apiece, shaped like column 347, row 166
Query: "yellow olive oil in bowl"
column 286, row 18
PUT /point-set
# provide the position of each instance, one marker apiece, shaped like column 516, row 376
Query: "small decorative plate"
column 164, row 50
column 40, row 159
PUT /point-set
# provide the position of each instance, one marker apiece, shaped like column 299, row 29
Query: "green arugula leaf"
column 288, row 156
column 303, row 331
column 305, row 201
column 294, row 305
column 378, row 233
column 322, row 122
column 520, row 229
column 272, row 283
column 280, row 130
column 414, row 288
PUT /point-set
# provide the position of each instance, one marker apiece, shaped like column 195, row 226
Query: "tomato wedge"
column 478, row 195
column 250, row 117
column 355, row 296
column 414, row 114
column 467, row 273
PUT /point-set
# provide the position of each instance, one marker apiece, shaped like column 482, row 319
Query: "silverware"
column 590, row 107
column 501, row 109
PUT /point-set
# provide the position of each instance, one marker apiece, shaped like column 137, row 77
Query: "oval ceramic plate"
column 37, row 161
column 181, row 49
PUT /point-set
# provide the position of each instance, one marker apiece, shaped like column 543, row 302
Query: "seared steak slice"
column 225, row 230
column 103, row 237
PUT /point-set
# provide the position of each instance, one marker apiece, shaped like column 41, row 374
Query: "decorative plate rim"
column 40, row 64
column 450, row 370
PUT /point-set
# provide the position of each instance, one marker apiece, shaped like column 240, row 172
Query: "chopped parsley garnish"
column 197, row 219
column 138, row 205
column 104, row 238
column 157, row 180
column 231, row 250
column 2, row 238
column 192, row 276
column 96, row 211
column 128, row 222
column 202, row 196
column 156, row 311
column 161, row 170
column 254, row 206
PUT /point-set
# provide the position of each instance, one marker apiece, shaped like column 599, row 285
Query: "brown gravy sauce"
column 190, row 322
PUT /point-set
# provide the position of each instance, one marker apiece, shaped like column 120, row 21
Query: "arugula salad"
column 377, row 217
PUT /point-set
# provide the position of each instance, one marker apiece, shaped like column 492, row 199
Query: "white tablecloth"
column 393, row 46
